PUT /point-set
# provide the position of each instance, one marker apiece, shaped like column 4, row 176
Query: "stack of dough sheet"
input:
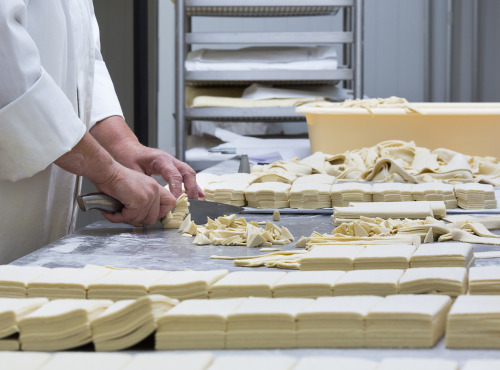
column 268, row 195
column 484, row 280
column 88, row 360
column 128, row 322
column 11, row 311
column 246, row 284
column 408, row 363
column 65, row 282
column 124, row 284
column 60, row 324
column 474, row 322
column 384, row 257
column 435, row 191
column 482, row 365
column 195, row 323
column 472, row 195
column 310, row 196
column 14, row 279
column 414, row 321
column 174, row 218
column 307, row 284
column 386, row 210
column 157, row 361
column 317, row 178
column 345, row 193
column 331, row 257
column 253, row 363
column 334, row 321
column 226, row 192
column 443, row 255
column 187, row 284
column 392, row 192
column 23, row 360
column 451, row 281
column 264, row 323
column 329, row 362
column 368, row 282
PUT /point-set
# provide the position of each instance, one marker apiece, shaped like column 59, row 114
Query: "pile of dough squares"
column 474, row 322
column 393, row 321
column 14, row 279
column 411, row 321
column 435, row 191
column 306, row 284
column 484, row 280
column 392, row 192
column 450, row 281
column 268, row 195
column 443, row 255
column 473, row 195
column 344, row 193
column 246, row 284
column 310, row 196
column 331, row 257
column 230, row 192
column 364, row 282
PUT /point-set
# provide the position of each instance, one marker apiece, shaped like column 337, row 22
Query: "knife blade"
column 199, row 209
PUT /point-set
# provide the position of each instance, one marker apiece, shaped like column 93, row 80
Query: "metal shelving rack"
column 351, row 72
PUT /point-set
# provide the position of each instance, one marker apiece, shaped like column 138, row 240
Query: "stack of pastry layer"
column 435, row 191
column 128, row 322
column 392, row 192
column 334, row 321
column 229, row 189
column 363, row 282
column 407, row 321
column 474, row 322
column 451, row 281
column 473, row 195
column 174, row 218
column 14, row 279
column 310, row 196
column 264, row 323
column 12, row 310
column 306, row 284
column 60, row 324
column 268, row 195
column 484, row 280
column 386, row 210
column 246, row 284
column 343, row 194
column 443, row 255
column 393, row 321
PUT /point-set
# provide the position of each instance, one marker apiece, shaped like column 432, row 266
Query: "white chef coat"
column 54, row 87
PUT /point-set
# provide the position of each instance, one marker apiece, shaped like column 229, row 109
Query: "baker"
column 60, row 120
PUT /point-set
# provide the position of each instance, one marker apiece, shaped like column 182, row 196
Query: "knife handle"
column 99, row 201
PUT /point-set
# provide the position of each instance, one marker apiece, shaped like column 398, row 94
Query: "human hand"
column 144, row 200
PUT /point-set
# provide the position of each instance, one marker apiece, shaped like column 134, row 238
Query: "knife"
column 199, row 209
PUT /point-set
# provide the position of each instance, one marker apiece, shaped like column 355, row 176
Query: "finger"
column 167, row 202
column 114, row 217
column 189, row 178
column 201, row 193
column 153, row 211
column 174, row 178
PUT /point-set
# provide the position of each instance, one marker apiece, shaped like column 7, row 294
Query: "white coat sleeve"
column 38, row 123
column 105, row 103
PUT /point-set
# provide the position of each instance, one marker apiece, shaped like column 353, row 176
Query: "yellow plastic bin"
column 469, row 128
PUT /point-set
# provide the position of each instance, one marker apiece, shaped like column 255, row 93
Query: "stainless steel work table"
column 103, row 243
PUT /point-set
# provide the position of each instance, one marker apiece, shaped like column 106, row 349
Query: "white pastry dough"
column 162, row 361
column 484, row 280
column 199, row 324
column 331, row 257
column 410, row 363
column 384, row 257
column 243, row 362
column 264, row 323
column 14, row 309
column 23, row 360
column 128, row 322
column 416, row 321
column 344, row 193
column 307, row 284
column 443, row 255
column 473, row 195
column 89, row 360
column 64, row 282
column 124, row 284
column 14, row 279
column 334, row 321
column 368, row 282
column 310, row 196
column 268, row 195
column 450, row 281
column 60, row 324
column 392, row 192
column 186, row 284
column 474, row 322
column 246, row 284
